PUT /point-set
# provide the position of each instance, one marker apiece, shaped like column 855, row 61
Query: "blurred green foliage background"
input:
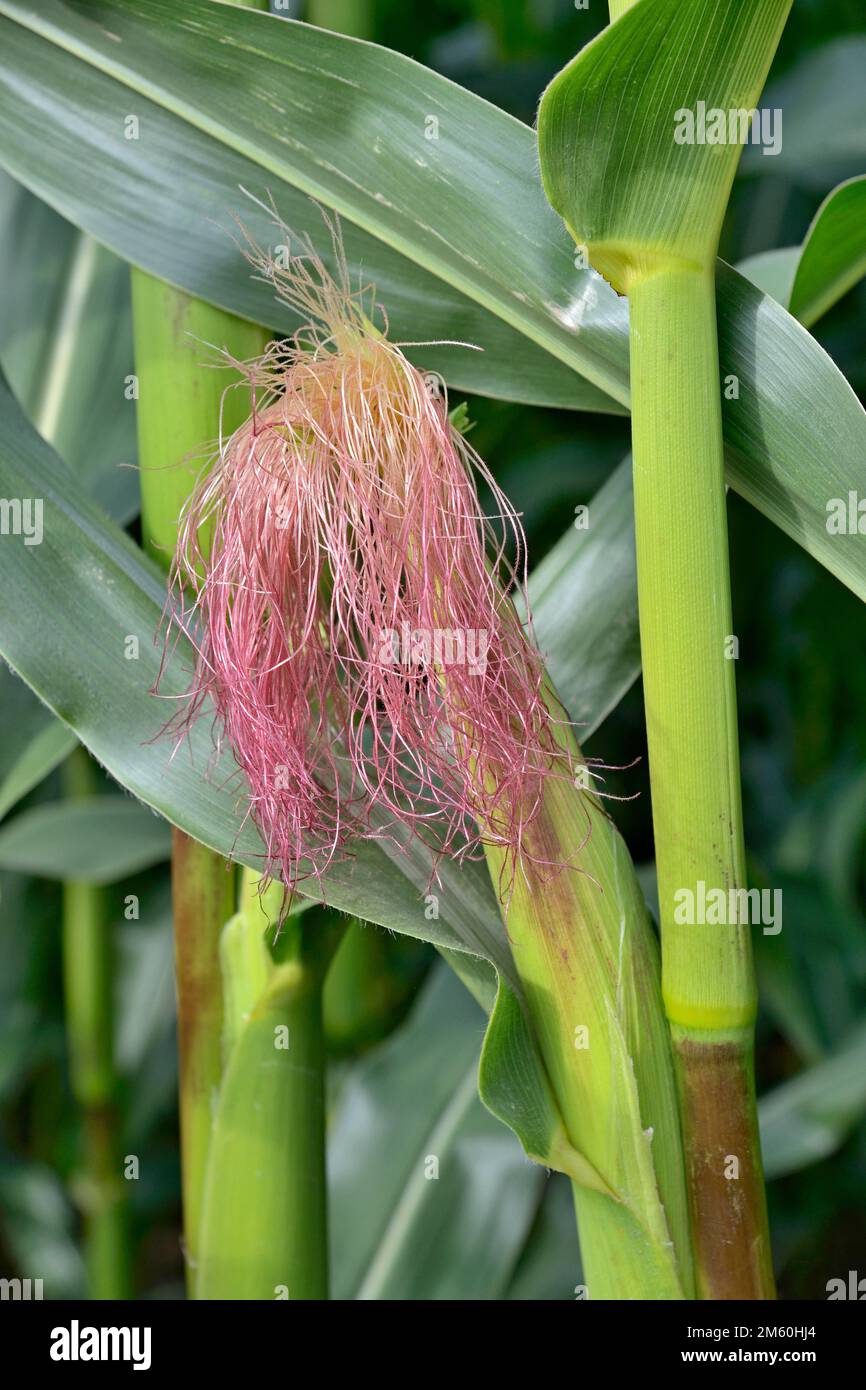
column 404, row 1035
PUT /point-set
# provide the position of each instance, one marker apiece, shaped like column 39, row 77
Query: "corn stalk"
column 647, row 207
column 88, row 976
column 179, row 404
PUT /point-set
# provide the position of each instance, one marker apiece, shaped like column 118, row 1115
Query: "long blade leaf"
column 297, row 112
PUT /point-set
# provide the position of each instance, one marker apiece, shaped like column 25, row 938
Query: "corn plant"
column 311, row 633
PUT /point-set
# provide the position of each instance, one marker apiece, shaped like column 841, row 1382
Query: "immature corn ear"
column 264, row 1193
column 588, row 962
column 349, row 562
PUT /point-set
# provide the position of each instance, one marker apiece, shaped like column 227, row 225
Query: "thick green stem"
column 181, row 387
column 88, row 960
column 648, row 210
column 202, row 901
column 688, row 650
column 178, row 418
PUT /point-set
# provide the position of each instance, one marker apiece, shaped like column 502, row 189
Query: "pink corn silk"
column 343, row 519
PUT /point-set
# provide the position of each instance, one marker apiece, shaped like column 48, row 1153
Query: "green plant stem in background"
column 690, row 697
column 356, row 990
column 181, row 390
column 354, row 18
column 88, row 960
column 371, row 982
column 264, row 1225
column 178, row 417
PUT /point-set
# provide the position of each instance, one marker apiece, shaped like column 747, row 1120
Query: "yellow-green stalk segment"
column 88, row 959
column 202, row 890
column 178, row 416
column 648, row 208
column 264, row 1225
column 689, row 691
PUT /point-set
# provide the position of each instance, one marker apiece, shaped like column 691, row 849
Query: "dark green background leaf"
column 97, row 841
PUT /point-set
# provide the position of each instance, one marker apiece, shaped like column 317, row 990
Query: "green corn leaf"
column 65, row 344
column 583, row 597
column 513, row 1085
column 810, row 1116
column 408, row 1143
column 98, row 841
column 811, row 278
column 352, row 132
column 182, row 230
column 772, row 272
column 798, row 501
column 833, row 257
column 35, row 743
